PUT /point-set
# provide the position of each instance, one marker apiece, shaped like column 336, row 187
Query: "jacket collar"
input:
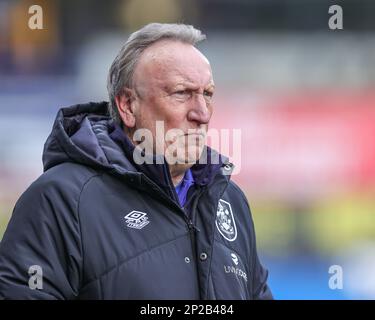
column 202, row 173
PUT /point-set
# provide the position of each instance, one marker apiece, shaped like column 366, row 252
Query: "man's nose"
column 200, row 111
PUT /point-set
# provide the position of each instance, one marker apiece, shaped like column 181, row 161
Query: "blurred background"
column 302, row 95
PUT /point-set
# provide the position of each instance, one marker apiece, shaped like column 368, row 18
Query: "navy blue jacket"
column 100, row 226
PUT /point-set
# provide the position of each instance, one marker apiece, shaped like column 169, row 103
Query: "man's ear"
column 125, row 104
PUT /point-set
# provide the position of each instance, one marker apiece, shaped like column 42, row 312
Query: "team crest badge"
column 225, row 221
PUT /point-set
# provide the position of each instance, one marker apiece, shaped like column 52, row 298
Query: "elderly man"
column 122, row 212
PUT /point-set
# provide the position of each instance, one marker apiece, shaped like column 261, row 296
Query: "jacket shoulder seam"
column 79, row 220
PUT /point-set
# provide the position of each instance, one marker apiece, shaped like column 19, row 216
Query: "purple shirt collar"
column 183, row 187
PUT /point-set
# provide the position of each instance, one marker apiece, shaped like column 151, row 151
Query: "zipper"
column 193, row 230
column 192, row 235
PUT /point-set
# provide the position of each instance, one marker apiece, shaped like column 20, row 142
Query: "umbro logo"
column 136, row 219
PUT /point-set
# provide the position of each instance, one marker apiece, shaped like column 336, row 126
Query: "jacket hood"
column 80, row 134
column 86, row 134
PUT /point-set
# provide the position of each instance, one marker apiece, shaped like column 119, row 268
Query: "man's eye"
column 181, row 92
column 208, row 94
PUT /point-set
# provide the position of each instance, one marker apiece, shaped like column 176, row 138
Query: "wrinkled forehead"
column 171, row 62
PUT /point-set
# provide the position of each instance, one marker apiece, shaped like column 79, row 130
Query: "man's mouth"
column 195, row 134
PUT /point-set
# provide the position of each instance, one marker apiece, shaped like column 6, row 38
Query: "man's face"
column 174, row 84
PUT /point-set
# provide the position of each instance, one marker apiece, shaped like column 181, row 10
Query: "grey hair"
column 122, row 69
